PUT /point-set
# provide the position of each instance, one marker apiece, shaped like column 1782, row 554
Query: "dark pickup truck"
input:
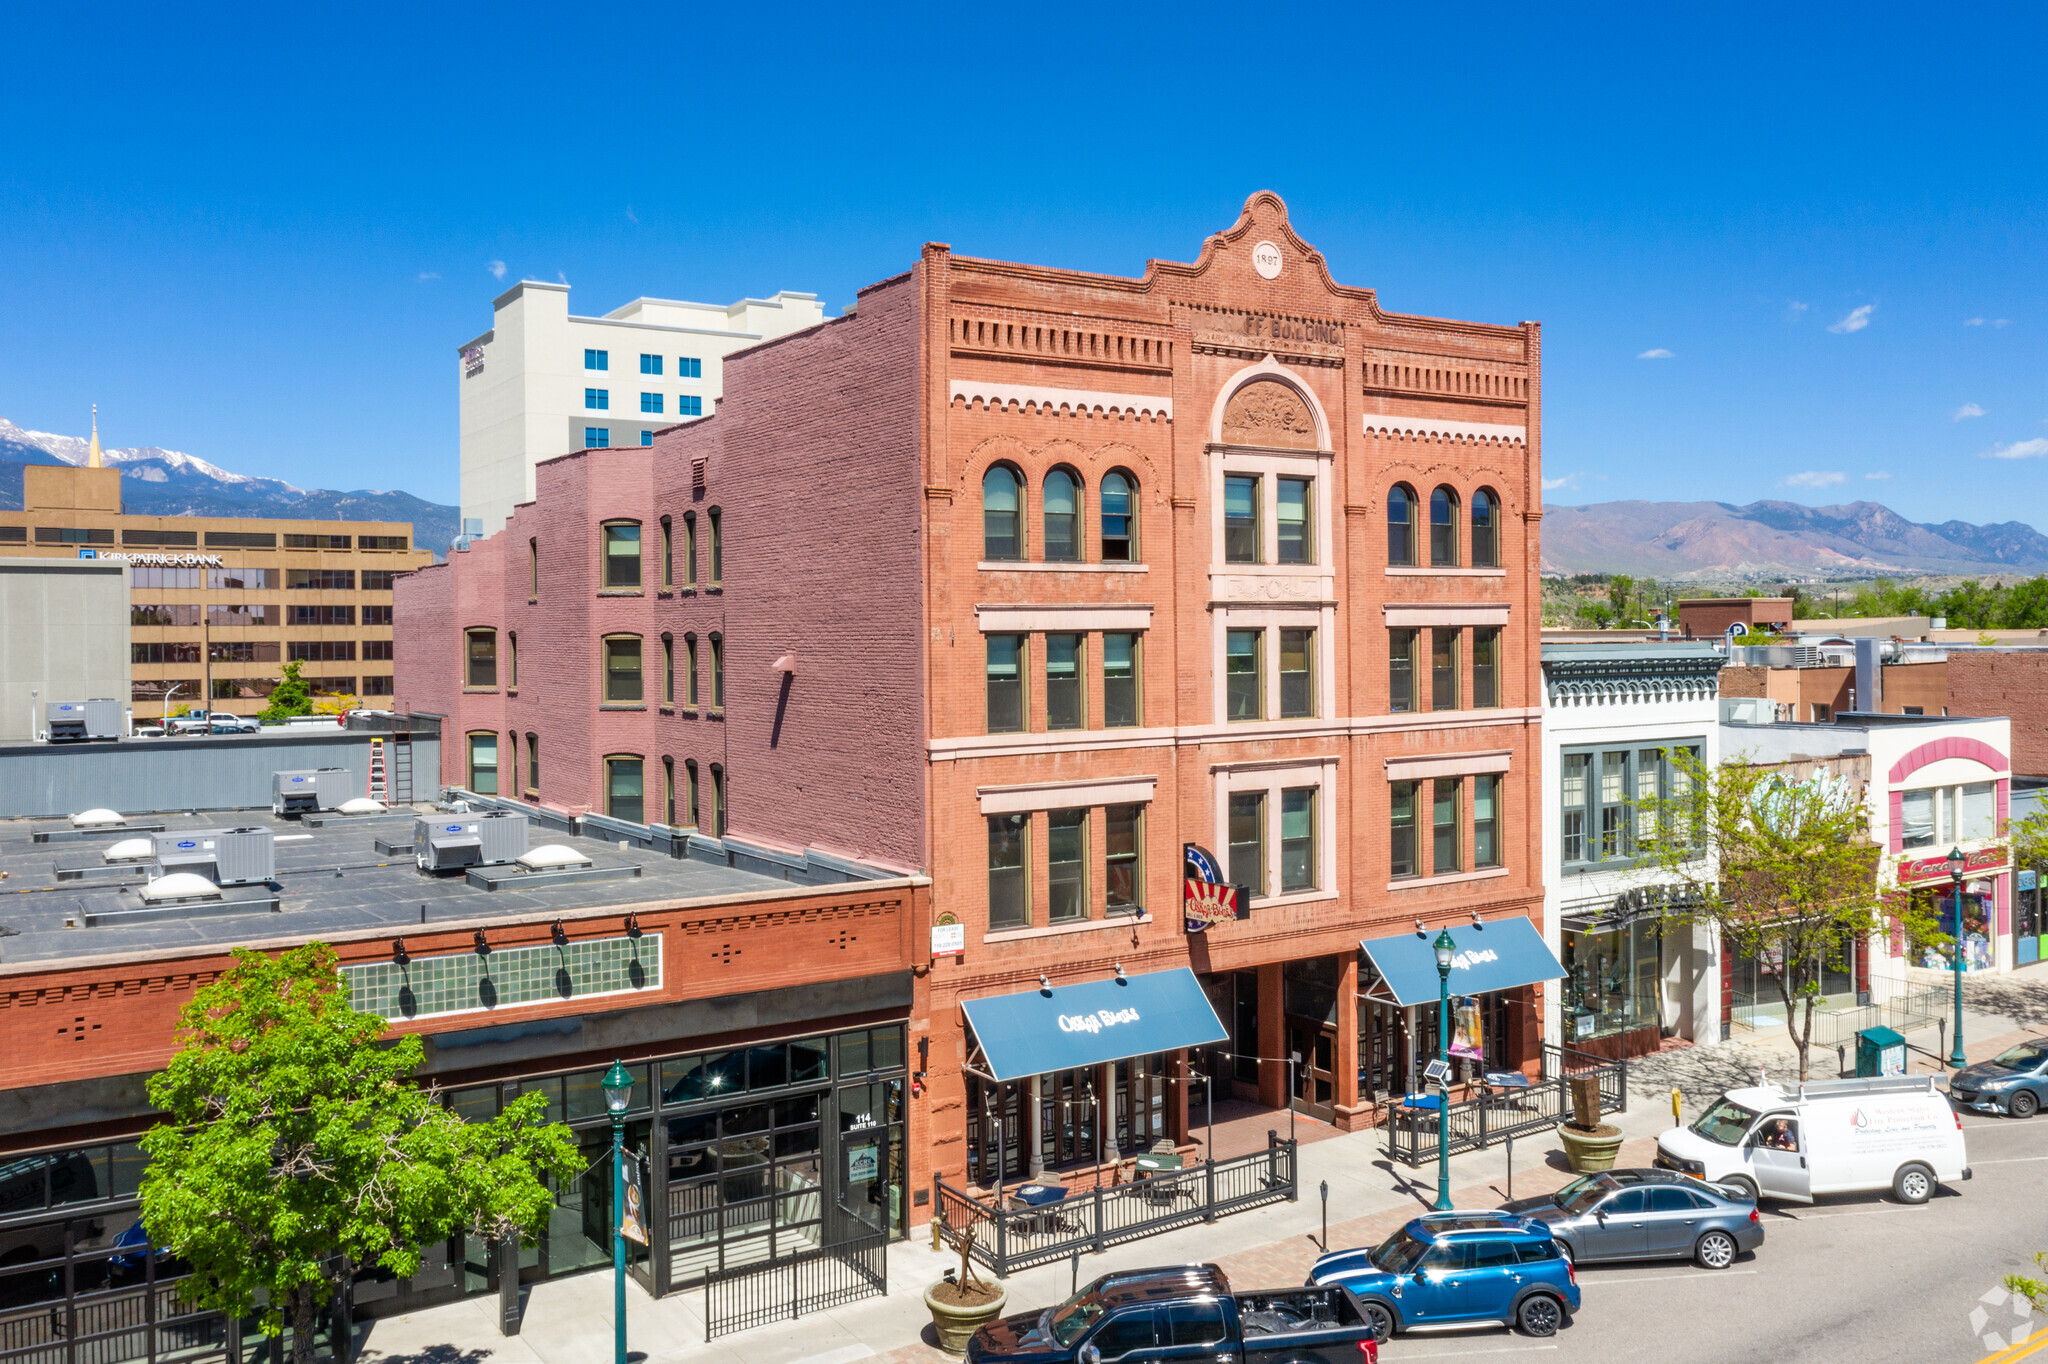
column 1185, row 1312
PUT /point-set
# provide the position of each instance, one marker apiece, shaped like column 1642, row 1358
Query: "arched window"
column 690, row 663
column 717, row 825
column 622, row 554
column 1002, row 526
column 1062, row 516
column 668, row 670
column 480, row 657
column 689, row 793
column 625, row 790
column 1119, row 519
column 1485, row 530
column 622, row 670
column 668, row 553
column 1401, row 526
column 511, row 658
column 532, row 764
column 717, row 671
column 483, row 763
column 1443, row 528
column 668, row 792
column 717, row 554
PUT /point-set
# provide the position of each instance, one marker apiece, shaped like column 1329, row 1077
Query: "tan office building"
column 221, row 603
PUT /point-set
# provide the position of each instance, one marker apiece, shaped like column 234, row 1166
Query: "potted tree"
column 1588, row 1143
column 962, row 1304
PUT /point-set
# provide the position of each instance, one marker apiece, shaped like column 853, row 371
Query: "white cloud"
column 1985, row 321
column 1794, row 309
column 1658, row 354
column 562, row 277
column 631, row 216
column 1856, row 321
column 1564, row 481
column 2025, row 449
column 497, row 268
column 429, row 274
column 1878, row 475
column 1965, row 412
column 1812, row 479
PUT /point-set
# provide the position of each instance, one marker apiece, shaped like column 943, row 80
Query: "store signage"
column 1097, row 1021
column 155, row 560
column 1920, row 870
column 630, row 1224
column 863, row 1162
column 1205, row 897
column 949, row 937
column 472, row 360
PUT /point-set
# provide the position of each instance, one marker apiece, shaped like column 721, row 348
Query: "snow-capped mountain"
column 172, row 483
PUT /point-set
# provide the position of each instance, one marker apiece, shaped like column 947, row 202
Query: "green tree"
column 292, row 697
column 2033, row 1290
column 1621, row 598
column 1969, row 605
column 1792, row 875
column 2024, row 606
column 297, row 1147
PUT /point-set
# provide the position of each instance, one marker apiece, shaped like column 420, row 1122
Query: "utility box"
column 78, row 721
column 226, row 857
column 306, row 792
column 1880, row 1052
column 445, row 842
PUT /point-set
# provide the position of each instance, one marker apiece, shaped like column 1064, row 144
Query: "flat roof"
column 332, row 884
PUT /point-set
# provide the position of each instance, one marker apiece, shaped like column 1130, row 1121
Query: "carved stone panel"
column 1269, row 413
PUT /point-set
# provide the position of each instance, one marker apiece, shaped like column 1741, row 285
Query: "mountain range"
column 1771, row 539
column 158, row 482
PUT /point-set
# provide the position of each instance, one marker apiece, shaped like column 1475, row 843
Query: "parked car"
column 1646, row 1215
column 2015, row 1081
column 1824, row 1136
column 1460, row 1269
column 1184, row 1311
column 219, row 722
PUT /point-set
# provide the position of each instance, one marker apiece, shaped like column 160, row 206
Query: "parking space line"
column 1589, row 1280
column 1462, row 1354
column 2007, row 1160
column 1860, row 1212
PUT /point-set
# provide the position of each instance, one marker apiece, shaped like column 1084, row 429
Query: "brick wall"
column 1745, row 681
column 2015, row 684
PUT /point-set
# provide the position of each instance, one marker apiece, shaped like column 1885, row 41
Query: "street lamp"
column 1445, row 950
column 1956, row 861
column 618, row 1097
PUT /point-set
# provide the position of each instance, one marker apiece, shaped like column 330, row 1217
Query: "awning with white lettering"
column 1039, row 1031
column 1492, row 956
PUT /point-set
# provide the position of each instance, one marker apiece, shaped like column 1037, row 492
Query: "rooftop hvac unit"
column 445, row 842
column 321, row 788
column 76, row 721
column 227, row 857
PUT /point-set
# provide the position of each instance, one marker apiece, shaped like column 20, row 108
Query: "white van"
column 1825, row 1136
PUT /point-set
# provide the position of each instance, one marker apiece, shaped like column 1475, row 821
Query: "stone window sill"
column 665, row 592
column 688, row 712
column 1449, row 879
column 1397, row 571
column 1298, row 897
column 479, row 691
column 620, row 705
column 1056, row 930
column 511, row 691
column 621, row 592
column 668, row 710
column 715, row 590
column 1040, row 566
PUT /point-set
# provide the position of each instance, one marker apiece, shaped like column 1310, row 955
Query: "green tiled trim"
column 464, row 982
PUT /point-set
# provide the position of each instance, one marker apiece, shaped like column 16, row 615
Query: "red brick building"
column 1026, row 578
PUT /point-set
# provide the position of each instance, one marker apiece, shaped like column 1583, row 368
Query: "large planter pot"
column 1590, row 1151
column 956, row 1323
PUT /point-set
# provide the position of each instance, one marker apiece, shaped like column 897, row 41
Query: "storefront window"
column 2026, row 918
column 1976, row 925
column 1611, row 979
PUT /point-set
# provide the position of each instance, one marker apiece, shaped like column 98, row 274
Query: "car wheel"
column 2025, row 1104
column 1539, row 1315
column 1745, row 1184
column 1913, row 1184
column 1716, row 1250
column 1382, row 1320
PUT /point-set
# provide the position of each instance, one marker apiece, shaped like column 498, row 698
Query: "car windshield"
column 1580, row 1195
column 1725, row 1123
column 2025, row 1056
column 1398, row 1253
column 1072, row 1318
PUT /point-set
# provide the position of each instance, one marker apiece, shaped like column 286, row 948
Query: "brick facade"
column 849, row 460
column 2004, row 682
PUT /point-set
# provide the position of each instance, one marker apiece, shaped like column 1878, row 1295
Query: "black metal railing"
column 1497, row 1114
column 1007, row 1239
column 836, row 1273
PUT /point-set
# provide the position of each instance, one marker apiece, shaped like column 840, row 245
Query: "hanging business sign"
column 1205, row 897
column 949, row 937
column 1920, row 870
column 631, row 1225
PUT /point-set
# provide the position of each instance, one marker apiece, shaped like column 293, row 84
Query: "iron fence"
column 852, row 1265
column 1494, row 1115
column 1007, row 1239
column 1920, row 1007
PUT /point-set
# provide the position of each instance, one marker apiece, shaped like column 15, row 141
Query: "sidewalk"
column 570, row 1322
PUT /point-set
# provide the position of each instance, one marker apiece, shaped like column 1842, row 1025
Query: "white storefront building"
column 1615, row 717
column 542, row 382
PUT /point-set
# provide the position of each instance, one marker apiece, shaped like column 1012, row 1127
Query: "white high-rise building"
column 542, row 382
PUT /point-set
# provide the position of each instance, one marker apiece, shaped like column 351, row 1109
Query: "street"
column 1852, row 1277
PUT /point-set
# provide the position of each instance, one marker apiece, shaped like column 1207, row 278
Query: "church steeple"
column 92, row 455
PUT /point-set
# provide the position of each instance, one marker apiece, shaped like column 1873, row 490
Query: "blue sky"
column 258, row 237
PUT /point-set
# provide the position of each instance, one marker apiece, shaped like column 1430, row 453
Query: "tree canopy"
column 291, row 697
column 297, row 1147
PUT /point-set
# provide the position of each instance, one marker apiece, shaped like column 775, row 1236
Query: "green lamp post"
column 618, row 1097
column 1445, row 951
column 1956, row 862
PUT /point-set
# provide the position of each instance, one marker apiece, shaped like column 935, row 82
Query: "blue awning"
column 1085, row 1025
column 1494, row 956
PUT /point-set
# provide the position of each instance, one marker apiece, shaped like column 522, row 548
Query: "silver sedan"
column 1646, row 1215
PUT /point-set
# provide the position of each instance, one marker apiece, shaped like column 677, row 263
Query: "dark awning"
column 1494, row 956
column 1068, row 1026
